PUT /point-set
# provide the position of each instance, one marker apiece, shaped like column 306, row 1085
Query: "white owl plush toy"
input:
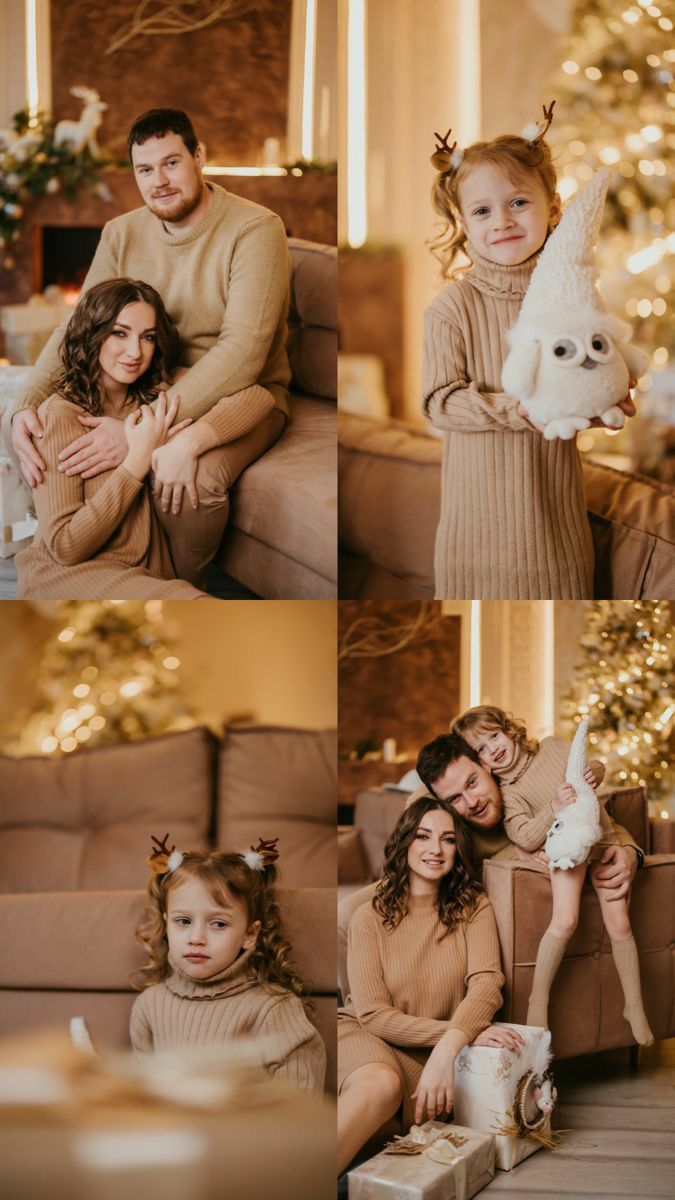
column 569, row 359
column 577, row 826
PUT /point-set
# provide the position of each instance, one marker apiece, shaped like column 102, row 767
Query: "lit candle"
column 389, row 750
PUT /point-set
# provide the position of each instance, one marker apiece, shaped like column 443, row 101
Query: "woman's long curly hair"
column 485, row 717
column 458, row 891
column 513, row 155
column 79, row 379
column 226, row 876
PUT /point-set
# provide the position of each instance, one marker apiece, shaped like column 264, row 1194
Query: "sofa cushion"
column 56, row 926
column 633, row 523
column 85, row 821
column 287, row 499
column 275, row 782
column 312, row 319
column 389, row 487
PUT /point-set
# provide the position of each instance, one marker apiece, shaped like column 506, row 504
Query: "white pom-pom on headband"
column 263, row 855
column 537, row 130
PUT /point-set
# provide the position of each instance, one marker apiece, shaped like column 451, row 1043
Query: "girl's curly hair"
column 458, row 891
column 488, row 716
column 227, row 876
column 513, row 155
column 79, row 379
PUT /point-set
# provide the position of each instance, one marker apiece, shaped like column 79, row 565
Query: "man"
column 450, row 770
column 220, row 264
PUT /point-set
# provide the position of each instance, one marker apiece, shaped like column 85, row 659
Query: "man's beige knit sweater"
column 183, row 1012
column 225, row 285
column 513, row 522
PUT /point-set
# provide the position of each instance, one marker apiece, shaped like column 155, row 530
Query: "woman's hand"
column 566, row 795
column 435, row 1091
column 174, row 467
column 146, row 429
column 500, row 1035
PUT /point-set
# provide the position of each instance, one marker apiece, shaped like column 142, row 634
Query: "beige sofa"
column 389, row 482
column 74, row 835
column 281, row 538
column 586, row 1009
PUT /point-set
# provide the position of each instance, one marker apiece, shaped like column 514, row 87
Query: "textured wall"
column 410, row 695
column 232, row 76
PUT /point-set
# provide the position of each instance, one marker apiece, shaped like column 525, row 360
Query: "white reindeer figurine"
column 576, row 827
column 78, row 134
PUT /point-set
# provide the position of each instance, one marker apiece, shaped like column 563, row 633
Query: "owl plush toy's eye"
column 567, row 351
column 599, row 347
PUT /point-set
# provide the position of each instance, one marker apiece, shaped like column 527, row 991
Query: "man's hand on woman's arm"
column 26, row 425
column 103, row 448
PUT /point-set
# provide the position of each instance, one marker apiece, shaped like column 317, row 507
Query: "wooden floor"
column 217, row 584
column 620, row 1132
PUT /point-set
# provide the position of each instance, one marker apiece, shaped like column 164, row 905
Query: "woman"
column 100, row 537
column 425, row 980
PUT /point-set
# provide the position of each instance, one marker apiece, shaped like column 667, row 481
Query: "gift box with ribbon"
column 433, row 1161
column 509, row 1095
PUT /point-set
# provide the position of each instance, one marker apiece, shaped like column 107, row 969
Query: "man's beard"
column 183, row 206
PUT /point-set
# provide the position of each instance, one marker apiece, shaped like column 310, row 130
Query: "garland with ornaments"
column 41, row 157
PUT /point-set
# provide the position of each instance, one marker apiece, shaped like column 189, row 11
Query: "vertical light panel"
column 32, row 62
column 548, row 667
column 308, row 82
column 475, row 677
column 468, row 61
column 356, row 123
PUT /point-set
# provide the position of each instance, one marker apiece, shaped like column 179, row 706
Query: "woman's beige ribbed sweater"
column 96, row 538
column 411, row 984
column 185, row 1012
column 529, row 786
column 513, row 522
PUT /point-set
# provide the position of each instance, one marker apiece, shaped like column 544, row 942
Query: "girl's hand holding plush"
column 566, row 795
column 146, row 429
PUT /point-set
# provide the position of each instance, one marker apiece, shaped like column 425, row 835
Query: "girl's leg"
column 369, row 1096
column 624, row 950
column 566, row 888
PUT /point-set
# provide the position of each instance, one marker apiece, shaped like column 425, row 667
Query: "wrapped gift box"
column 441, row 1171
column 486, row 1081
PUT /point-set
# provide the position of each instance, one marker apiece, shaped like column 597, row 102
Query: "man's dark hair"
column 437, row 755
column 157, row 122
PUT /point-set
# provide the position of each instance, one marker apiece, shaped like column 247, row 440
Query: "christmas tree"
column 615, row 96
column 624, row 683
column 107, row 674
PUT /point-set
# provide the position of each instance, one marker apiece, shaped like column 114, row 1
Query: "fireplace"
column 62, row 255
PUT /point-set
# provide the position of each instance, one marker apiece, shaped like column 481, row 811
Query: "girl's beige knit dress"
column 409, row 985
column 96, row 538
column 513, row 522
column 183, row 1012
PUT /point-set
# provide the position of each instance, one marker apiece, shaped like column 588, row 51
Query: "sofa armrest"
column 628, row 807
column 352, row 861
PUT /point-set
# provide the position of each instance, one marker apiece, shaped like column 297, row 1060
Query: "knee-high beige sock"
column 549, row 958
column 628, row 969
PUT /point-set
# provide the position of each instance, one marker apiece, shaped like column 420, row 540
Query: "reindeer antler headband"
column 163, row 859
column 262, row 855
column 448, row 158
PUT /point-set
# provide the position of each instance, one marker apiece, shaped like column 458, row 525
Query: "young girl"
column 424, row 976
column 513, row 519
column 101, row 536
column 218, row 962
column 531, row 775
